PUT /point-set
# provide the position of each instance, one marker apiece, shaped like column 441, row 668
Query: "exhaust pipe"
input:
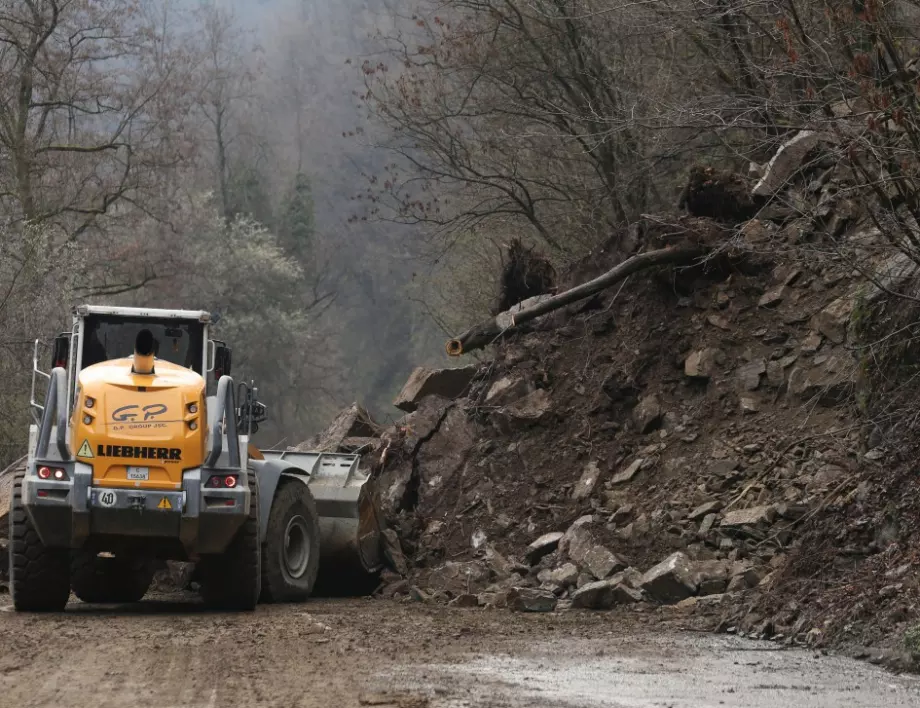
column 143, row 353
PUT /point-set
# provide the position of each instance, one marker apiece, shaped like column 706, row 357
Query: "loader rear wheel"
column 231, row 580
column 290, row 554
column 39, row 576
column 99, row 579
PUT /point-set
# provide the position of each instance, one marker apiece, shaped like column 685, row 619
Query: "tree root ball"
column 525, row 274
column 718, row 194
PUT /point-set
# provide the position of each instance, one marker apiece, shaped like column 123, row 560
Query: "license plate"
column 139, row 473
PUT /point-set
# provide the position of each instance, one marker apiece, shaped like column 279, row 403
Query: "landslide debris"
column 691, row 442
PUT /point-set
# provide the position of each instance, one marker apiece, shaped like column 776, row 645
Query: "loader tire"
column 99, row 579
column 39, row 576
column 231, row 580
column 290, row 553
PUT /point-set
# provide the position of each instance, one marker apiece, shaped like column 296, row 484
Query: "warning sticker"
column 85, row 450
column 164, row 504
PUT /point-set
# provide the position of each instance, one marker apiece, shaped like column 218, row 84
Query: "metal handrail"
column 54, row 406
column 224, row 402
column 35, row 405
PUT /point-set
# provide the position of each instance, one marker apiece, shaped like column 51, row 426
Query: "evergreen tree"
column 297, row 219
column 248, row 195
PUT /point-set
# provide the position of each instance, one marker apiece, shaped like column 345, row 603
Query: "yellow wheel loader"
column 140, row 453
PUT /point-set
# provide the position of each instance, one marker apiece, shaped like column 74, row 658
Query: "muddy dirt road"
column 361, row 652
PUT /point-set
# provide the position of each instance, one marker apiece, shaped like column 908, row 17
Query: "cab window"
column 109, row 337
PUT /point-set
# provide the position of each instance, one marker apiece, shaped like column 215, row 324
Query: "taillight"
column 48, row 472
column 229, row 481
column 219, row 481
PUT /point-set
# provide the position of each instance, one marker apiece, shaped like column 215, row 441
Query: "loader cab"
column 103, row 333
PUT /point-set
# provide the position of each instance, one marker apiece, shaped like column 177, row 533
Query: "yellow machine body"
column 139, row 430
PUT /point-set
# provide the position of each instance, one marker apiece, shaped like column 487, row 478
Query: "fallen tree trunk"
column 485, row 333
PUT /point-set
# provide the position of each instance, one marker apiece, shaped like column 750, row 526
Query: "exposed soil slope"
column 711, row 412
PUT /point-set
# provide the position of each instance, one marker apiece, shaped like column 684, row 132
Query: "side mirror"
column 221, row 361
column 61, row 352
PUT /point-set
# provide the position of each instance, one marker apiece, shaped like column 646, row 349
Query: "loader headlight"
column 193, row 425
column 87, row 419
column 89, row 402
column 192, row 407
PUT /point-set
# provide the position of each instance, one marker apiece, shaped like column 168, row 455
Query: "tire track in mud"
column 359, row 652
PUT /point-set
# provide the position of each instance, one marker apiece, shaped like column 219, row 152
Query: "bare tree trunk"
column 222, row 163
column 486, row 333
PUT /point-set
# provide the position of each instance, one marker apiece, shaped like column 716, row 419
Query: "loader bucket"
column 349, row 517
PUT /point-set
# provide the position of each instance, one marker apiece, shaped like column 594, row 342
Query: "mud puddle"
column 655, row 671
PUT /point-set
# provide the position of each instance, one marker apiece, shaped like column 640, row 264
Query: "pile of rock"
column 571, row 569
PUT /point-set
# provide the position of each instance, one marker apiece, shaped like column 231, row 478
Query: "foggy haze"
column 382, row 335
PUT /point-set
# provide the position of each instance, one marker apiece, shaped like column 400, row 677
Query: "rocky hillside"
column 690, row 441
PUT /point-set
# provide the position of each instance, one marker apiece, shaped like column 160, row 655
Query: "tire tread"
column 231, row 580
column 39, row 576
column 291, row 495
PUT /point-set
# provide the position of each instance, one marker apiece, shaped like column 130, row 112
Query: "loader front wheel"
column 39, row 576
column 231, row 580
column 290, row 554
column 100, row 579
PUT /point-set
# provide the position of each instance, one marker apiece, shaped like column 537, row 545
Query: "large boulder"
column 755, row 516
column 703, row 364
column 604, row 594
column 828, row 388
column 671, row 580
column 586, row 483
column 786, row 162
column 445, row 452
column 546, row 544
column 629, row 472
column 447, row 383
column 522, row 413
column 353, row 422
column 749, row 374
column 398, row 478
column 422, row 422
column 584, row 549
column 564, row 576
column 508, row 390
column 647, row 415
column 601, row 562
column 832, row 321
column 531, row 600
column 710, row 576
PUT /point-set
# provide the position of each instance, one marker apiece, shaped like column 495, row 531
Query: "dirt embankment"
column 689, row 441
